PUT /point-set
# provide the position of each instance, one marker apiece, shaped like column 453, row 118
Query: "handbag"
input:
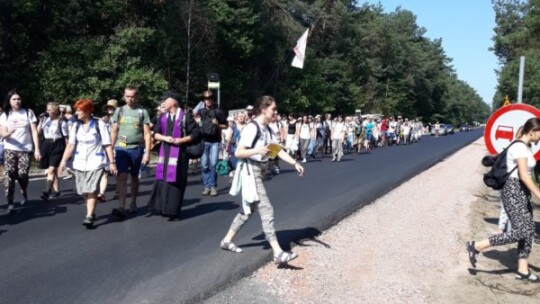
column 193, row 149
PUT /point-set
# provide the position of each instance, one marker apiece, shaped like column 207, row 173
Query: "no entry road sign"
column 502, row 126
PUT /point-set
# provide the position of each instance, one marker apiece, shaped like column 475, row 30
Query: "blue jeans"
column 209, row 160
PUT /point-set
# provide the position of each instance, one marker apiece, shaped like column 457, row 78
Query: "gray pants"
column 263, row 206
column 337, row 148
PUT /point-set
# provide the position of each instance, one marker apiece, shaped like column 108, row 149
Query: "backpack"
column 358, row 129
column 208, row 128
column 496, row 177
column 194, row 149
column 222, row 168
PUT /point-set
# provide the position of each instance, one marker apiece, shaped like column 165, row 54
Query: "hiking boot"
column 45, row 195
column 213, row 192
column 54, row 194
column 206, row 191
column 88, row 222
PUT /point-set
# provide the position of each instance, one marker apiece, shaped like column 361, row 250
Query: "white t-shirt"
column 392, row 126
column 406, row 128
column 305, row 131
column 89, row 152
column 248, row 135
column 21, row 139
column 338, row 129
column 51, row 130
column 274, row 126
column 226, row 133
column 519, row 150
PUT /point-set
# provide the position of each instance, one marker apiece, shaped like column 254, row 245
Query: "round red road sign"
column 502, row 126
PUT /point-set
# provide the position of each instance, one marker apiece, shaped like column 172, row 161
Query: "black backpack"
column 496, row 177
column 208, row 128
column 195, row 148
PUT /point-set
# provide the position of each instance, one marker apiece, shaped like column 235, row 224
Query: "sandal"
column 284, row 257
column 526, row 277
column 230, row 246
column 472, row 253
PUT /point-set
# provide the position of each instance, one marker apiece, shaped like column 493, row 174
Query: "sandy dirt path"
column 406, row 247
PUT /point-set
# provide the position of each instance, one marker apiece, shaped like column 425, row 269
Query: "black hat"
column 171, row 94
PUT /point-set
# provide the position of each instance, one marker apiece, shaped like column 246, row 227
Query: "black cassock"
column 167, row 198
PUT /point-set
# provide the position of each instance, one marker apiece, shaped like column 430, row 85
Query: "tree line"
column 358, row 56
column 517, row 34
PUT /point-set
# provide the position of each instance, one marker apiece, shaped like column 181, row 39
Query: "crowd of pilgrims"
column 92, row 144
column 303, row 137
column 307, row 137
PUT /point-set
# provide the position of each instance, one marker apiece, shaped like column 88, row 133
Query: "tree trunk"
column 188, row 63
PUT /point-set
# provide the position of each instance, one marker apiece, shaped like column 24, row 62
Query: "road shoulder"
column 406, row 247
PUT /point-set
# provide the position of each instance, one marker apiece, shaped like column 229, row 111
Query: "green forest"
column 517, row 34
column 358, row 56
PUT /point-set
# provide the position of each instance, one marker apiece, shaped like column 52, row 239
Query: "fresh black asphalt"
column 47, row 256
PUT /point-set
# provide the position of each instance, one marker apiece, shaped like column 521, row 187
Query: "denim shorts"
column 129, row 160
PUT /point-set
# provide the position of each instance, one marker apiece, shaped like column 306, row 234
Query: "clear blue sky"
column 466, row 29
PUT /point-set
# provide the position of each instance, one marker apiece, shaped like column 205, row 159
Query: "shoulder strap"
column 96, row 126
column 141, row 117
column 257, row 135
column 60, row 122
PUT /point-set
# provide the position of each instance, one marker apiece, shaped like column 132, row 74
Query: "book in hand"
column 273, row 149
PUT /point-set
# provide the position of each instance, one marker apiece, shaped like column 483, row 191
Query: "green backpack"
column 222, row 168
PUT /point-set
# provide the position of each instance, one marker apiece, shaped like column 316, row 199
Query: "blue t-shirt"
column 369, row 128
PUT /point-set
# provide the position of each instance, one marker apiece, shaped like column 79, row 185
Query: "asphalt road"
column 47, row 256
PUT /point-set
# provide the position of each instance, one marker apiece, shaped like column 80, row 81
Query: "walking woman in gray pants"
column 516, row 200
column 252, row 148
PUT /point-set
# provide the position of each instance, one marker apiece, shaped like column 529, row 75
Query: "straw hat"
column 111, row 103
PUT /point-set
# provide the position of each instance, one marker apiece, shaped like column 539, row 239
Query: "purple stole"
column 174, row 152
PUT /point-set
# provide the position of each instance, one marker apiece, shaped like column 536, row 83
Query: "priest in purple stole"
column 172, row 167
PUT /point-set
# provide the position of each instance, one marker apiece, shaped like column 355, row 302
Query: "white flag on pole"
column 300, row 51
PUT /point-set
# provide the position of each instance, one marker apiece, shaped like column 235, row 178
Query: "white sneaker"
column 304, row 160
column 10, row 208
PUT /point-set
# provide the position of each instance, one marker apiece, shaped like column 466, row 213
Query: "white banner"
column 300, row 51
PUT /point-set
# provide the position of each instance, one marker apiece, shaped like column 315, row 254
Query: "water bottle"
column 143, row 168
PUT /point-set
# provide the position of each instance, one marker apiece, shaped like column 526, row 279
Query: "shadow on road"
column 288, row 237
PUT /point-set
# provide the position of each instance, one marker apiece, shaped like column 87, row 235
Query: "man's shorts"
column 129, row 160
